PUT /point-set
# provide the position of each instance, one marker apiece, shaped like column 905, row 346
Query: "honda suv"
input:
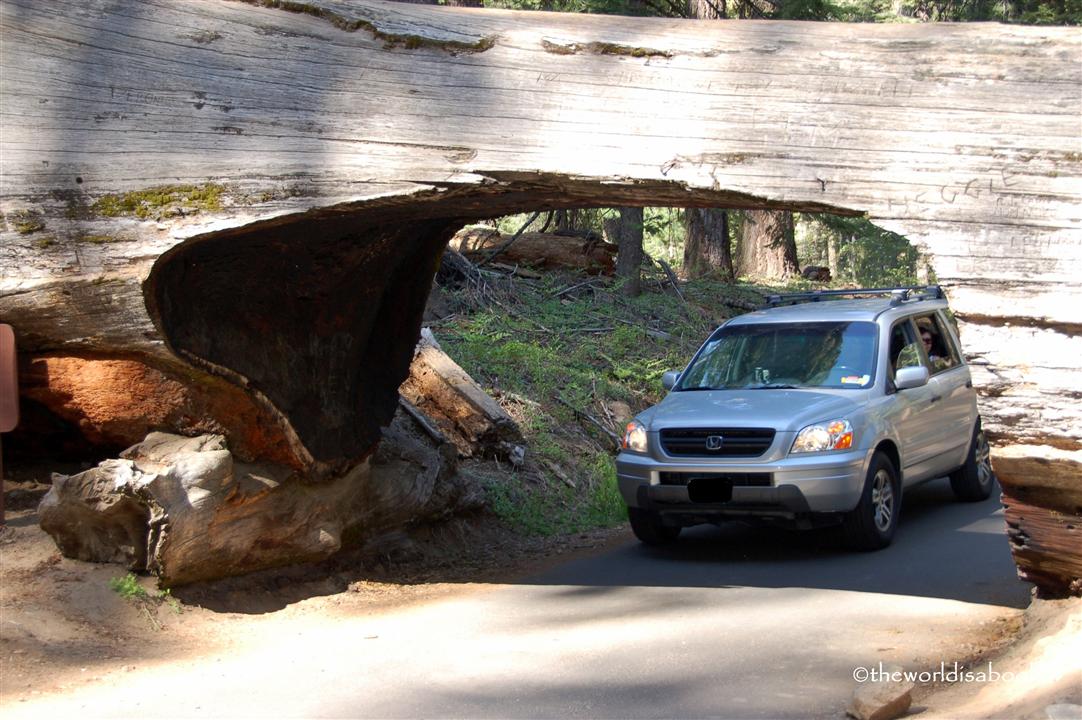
column 821, row 408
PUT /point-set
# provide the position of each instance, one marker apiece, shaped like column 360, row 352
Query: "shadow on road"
column 943, row 549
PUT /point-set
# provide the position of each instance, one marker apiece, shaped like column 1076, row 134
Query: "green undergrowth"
column 129, row 588
column 553, row 357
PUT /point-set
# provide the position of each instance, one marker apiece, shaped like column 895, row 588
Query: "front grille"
column 735, row 479
column 698, row 442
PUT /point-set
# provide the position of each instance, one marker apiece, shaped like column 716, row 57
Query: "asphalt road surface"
column 731, row 622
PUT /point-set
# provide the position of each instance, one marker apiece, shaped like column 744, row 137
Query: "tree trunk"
column 707, row 248
column 832, row 255
column 164, row 203
column 768, row 245
column 629, row 255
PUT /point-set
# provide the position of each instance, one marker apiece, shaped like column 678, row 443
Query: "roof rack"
column 898, row 295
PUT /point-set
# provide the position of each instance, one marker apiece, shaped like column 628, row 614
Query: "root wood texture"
column 258, row 191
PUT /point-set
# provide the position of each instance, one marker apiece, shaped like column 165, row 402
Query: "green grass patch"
column 592, row 349
column 128, row 587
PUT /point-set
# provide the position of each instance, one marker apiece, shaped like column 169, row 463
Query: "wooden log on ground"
column 1043, row 504
column 460, row 408
column 258, row 192
column 539, row 250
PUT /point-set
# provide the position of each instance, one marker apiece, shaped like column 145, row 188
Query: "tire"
column 974, row 481
column 649, row 528
column 871, row 524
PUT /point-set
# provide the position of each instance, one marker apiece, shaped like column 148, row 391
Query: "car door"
column 955, row 411
column 909, row 411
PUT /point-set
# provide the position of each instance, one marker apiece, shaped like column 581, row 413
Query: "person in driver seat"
column 936, row 357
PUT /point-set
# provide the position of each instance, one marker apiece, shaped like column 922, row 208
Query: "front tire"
column 649, row 529
column 973, row 481
column 871, row 525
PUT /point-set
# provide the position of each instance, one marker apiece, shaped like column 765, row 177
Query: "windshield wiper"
column 773, row 386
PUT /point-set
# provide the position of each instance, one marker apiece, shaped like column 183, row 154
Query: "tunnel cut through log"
column 317, row 318
column 316, row 315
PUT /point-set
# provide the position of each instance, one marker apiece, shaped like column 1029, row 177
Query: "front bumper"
column 826, row 483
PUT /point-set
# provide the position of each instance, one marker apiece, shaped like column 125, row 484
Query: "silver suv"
column 810, row 413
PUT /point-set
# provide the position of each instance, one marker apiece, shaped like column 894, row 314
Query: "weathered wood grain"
column 141, row 137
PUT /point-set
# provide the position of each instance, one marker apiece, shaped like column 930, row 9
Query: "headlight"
column 831, row 435
column 635, row 437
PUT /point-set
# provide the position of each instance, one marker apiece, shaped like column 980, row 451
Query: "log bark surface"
column 259, row 191
column 539, row 250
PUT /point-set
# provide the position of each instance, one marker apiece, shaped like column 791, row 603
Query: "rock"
column 95, row 516
column 881, row 699
column 183, row 509
column 621, row 412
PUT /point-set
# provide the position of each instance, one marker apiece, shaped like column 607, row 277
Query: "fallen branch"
column 520, row 316
column 576, row 286
column 672, row 278
column 559, row 473
column 510, row 242
column 515, row 397
column 591, row 418
column 422, row 421
column 516, row 270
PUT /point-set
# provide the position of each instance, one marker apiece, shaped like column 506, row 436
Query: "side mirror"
column 669, row 379
column 911, row 377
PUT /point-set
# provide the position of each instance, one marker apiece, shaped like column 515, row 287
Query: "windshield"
column 782, row 355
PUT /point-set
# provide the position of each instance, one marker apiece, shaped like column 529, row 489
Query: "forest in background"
column 857, row 252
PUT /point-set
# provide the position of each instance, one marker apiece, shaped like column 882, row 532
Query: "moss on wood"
column 100, row 239
column 600, row 48
column 26, row 222
column 603, row 48
column 163, row 200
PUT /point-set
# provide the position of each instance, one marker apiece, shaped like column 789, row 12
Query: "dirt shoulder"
column 63, row 626
column 1036, row 675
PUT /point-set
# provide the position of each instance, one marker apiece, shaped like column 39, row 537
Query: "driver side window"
column 904, row 347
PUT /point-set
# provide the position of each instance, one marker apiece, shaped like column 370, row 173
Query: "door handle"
column 935, row 398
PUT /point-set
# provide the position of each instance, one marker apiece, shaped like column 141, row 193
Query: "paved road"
column 732, row 623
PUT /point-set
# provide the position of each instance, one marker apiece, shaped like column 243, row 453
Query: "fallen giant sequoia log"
column 249, row 198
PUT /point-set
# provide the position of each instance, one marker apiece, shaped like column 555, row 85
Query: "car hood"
column 783, row 410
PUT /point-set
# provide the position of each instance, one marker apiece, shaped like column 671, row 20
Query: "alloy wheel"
column 882, row 500
column 982, row 454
